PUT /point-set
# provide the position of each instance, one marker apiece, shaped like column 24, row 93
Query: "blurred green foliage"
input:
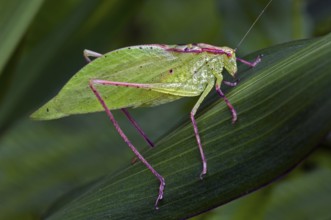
column 41, row 44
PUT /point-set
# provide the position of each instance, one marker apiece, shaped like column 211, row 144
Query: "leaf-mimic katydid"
column 146, row 75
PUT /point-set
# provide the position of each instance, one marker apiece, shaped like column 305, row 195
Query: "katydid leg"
column 123, row 84
column 232, row 84
column 90, row 53
column 233, row 111
column 135, row 124
column 127, row 141
column 251, row 64
column 220, row 93
column 195, row 127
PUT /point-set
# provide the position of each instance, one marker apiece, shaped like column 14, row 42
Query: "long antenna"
column 258, row 17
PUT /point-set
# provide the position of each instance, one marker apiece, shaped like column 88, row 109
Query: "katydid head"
column 230, row 61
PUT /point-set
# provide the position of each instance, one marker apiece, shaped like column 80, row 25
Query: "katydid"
column 145, row 76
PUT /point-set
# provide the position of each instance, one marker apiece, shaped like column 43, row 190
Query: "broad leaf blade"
column 304, row 194
column 283, row 112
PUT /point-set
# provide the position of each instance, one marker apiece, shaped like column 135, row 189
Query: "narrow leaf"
column 15, row 18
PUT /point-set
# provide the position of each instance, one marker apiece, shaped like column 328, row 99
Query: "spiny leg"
column 135, row 124
column 232, row 84
column 125, row 138
column 251, row 64
column 220, row 93
column 90, row 53
column 195, row 127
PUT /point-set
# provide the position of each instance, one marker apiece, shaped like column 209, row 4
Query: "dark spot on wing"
column 47, row 110
column 171, row 71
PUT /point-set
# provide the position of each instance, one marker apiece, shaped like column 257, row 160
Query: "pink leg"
column 123, row 84
column 233, row 111
column 202, row 154
column 195, row 127
column 89, row 53
column 126, row 140
column 232, row 84
column 219, row 91
column 251, row 64
column 135, row 124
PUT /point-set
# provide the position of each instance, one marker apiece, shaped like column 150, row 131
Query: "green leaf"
column 283, row 107
column 304, row 194
column 15, row 18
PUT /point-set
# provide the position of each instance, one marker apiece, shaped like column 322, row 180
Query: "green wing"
column 148, row 64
